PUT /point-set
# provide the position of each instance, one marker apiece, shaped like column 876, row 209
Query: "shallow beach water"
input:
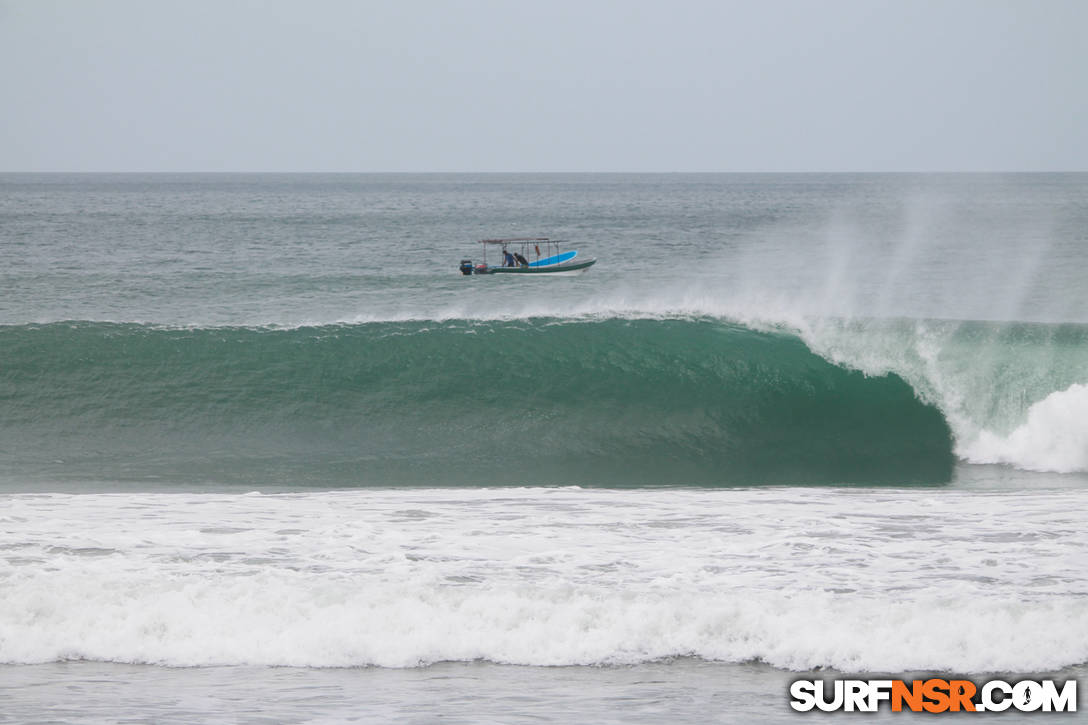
column 682, row 691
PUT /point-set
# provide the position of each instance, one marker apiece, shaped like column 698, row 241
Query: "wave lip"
column 1012, row 393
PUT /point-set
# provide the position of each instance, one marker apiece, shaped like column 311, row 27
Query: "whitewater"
column 554, row 577
column 264, row 453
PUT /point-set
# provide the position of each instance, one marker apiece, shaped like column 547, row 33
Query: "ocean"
column 267, row 456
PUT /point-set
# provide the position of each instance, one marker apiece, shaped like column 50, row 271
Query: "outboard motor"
column 466, row 267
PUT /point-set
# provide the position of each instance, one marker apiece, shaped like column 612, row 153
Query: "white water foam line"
column 798, row 578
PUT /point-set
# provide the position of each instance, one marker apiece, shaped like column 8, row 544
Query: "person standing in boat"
column 508, row 259
column 522, row 261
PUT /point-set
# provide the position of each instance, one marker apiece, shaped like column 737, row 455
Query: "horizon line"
column 553, row 172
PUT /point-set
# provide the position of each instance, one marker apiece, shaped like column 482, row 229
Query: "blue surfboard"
column 555, row 259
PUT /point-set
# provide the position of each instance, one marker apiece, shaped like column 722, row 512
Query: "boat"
column 527, row 255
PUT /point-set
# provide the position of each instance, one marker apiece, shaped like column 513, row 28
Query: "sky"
column 544, row 85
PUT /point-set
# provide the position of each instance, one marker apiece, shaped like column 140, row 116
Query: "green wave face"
column 609, row 402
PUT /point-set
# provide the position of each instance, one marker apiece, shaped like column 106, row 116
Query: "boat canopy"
column 519, row 239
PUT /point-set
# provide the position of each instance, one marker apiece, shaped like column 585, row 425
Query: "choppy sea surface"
column 266, row 456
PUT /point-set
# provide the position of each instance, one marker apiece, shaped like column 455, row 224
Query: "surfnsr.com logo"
column 934, row 695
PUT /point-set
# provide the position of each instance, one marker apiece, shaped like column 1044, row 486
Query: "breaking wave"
column 587, row 401
column 543, row 401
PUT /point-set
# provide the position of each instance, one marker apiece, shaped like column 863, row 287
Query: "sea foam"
column 797, row 578
column 1053, row 438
